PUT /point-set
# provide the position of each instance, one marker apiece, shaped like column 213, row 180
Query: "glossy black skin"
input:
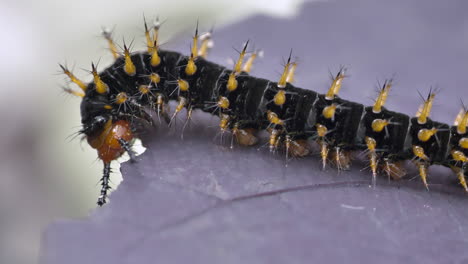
column 249, row 103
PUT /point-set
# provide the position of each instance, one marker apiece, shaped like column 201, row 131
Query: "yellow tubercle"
column 129, row 67
column 249, row 63
column 426, row 134
column 463, row 143
column 379, row 124
column 224, row 122
column 238, row 65
column 280, row 97
column 418, row 151
column 144, row 89
column 371, row 143
column 291, row 72
column 155, row 59
column 425, row 111
column 321, row 130
column 461, row 122
column 181, row 104
column 101, row 87
column 112, row 47
column 74, row 92
column 108, row 107
column 223, row 102
column 73, row 78
column 121, row 98
column 191, row 68
column 232, row 82
column 336, row 85
column 149, row 40
column 329, row 111
column 183, row 85
column 380, row 102
column 154, row 77
column 194, row 50
column 274, row 119
column 206, row 45
column 458, row 155
column 284, row 75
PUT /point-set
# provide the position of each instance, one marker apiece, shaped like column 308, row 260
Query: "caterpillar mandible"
column 113, row 111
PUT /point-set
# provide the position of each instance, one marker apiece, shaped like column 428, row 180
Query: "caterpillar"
column 115, row 103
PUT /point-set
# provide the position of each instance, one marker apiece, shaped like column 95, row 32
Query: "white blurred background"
column 45, row 175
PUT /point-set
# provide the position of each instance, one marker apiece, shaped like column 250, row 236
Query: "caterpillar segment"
column 377, row 131
column 114, row 102
column 429, row 140
column 336, row 124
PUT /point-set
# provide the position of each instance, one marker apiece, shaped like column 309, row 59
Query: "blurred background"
column 45, row 173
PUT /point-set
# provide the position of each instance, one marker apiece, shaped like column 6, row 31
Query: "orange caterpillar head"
column 110, row 141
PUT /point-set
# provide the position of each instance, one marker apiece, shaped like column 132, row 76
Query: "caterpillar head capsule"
column 108, row 140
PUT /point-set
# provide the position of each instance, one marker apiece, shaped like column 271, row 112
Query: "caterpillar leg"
column 244, row 136
column 298, row 148
column 104, row 184
column 394, row 170
column 340, row 158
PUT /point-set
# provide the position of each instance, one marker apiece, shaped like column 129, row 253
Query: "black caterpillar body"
column 252, row 105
